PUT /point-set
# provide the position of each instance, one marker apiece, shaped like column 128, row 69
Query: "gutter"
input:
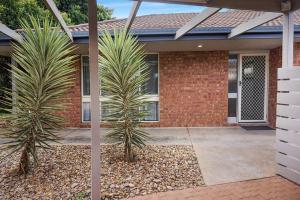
column 207, row 33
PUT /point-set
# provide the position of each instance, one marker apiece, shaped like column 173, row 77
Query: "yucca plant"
column 123, row 72
column 43, row 75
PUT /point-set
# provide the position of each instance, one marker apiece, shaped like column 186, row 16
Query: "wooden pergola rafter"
column 52, row 7
column 11, row 33
column 198, row 19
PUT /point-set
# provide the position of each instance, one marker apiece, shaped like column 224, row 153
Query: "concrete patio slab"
column 233, row 154
column 160, row 136
column 169, row 136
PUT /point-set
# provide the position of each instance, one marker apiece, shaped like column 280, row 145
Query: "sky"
column 122, row 8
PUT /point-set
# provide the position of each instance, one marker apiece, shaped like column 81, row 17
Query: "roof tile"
column 230, row 18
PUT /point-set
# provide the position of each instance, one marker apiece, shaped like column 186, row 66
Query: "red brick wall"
column 275, row 62
column 72, row 112
column 193, row 88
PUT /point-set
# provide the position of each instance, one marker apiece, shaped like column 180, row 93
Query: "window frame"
column 150, row 97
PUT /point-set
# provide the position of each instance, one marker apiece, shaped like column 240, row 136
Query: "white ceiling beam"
column 11, row 33
column 52, row 7
column 204, row 15
column 134, row 9
column 246, row 26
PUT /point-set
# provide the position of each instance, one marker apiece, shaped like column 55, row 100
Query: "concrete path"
column 224, row 154
column 233, row 154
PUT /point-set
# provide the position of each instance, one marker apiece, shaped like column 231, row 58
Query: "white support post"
column 288, row 40
column 95, row 102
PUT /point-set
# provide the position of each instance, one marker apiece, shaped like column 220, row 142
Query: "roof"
column 228, row 19
column 163, row 27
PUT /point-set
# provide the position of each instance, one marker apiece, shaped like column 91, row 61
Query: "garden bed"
column 64, row 173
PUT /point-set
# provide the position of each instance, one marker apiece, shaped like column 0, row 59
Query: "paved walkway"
column 274, row 188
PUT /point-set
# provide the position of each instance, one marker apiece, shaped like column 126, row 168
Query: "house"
column 201, row 79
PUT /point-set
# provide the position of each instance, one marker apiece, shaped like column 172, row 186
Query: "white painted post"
column 288, row 40
column 95, row 102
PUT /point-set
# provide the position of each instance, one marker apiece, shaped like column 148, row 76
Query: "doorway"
column 252, row 88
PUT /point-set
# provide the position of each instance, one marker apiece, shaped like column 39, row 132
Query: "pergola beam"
column 52, row 7
column 204, row 15
column 246, row 26
column 134, row 9
column 11, row 33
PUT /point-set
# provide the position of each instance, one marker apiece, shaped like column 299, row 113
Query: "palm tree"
column 42, row 78
column 123, row 73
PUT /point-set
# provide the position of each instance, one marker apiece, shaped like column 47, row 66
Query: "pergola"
column 288, row 98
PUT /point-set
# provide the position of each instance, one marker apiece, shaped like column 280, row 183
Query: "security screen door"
column 252, row 87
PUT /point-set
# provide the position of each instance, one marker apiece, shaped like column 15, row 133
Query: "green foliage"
column 11, row 11
column 103, row 13
column 80, row 196
column 42, row 78
column 123, row 73
column 77, row 10
column 73, row 11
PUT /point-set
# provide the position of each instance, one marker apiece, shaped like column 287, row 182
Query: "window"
column 232, row 87
column 85, row 76
column 150, row 88
column 5, row 78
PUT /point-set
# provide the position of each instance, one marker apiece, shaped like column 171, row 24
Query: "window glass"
column 86, row 111
column 105, row 111
column 151, row 87
column 86, row 76
column 232, row 107
column 232, row 74
column 152, row 109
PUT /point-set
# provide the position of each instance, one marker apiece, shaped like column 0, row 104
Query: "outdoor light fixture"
column 200, row 45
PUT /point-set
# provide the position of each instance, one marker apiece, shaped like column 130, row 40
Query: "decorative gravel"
column 64, row 173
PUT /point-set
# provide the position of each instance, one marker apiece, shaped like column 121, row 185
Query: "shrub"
column 123, row 73
column 42, row 78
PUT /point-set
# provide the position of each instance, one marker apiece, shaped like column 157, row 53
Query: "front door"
column 252, row 87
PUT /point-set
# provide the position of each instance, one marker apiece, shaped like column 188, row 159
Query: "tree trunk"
column 24, row 161
column 127, row 148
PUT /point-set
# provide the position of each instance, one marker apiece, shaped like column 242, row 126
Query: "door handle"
column 240, row 83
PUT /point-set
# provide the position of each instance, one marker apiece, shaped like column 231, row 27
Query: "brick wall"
column 193, row 88
column 275, row 62
column 72, row 112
